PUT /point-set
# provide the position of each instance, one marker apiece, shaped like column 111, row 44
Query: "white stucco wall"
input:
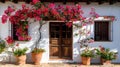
column 102, row 10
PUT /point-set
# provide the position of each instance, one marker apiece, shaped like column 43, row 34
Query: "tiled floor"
column 58, row 65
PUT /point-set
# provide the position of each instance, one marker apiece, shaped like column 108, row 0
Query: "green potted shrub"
column 106, row 55
column 2, row 46
column 86, row 56
column 37, row 55
column 20, row 55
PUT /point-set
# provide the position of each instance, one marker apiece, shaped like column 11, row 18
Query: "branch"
column 39, row 36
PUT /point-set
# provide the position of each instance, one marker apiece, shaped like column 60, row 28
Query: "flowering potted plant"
column 37, row 55
column 20, row 55
column 86, row 56
column 2, row 45
column 106, row 55
column 87, row 53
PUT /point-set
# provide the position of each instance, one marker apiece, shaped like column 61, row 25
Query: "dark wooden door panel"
column 66, row 42
column 54, row 51
column 66, row 52
column 60, row 41
column 54, row 41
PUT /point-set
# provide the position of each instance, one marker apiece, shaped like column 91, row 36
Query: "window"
column 20, row 31
column 15, row 37
column 102, row 31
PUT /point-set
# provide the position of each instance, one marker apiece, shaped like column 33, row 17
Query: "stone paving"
column 58, row 65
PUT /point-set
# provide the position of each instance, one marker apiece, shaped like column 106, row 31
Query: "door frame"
column 71, row 42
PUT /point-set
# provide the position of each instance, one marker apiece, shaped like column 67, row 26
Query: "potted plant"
column 2, row 46
column 37, row 55
column 106, row 55
column 88, row 52
column 86, row 56
column 20, row 55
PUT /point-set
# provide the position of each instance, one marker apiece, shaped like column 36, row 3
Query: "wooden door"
column 60, row 41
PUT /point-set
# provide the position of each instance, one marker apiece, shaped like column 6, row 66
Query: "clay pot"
column 36, row 58
column 21, row 59
column 86, row 60
column 103, row 61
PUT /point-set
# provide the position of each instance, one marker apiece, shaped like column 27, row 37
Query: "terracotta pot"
column 86, row 60
column 103, row 61
column 36, row 58
column 21, row 59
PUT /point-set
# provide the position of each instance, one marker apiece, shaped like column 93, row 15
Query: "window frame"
column 12, row 33
column 110, row 31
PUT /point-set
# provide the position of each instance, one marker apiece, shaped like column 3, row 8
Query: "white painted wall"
column 103, row 10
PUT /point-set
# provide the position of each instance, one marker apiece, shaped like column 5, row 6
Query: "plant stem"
column 39, row 36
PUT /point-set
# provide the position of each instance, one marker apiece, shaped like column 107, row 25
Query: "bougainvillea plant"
column 84, row 29
column 39, row 12
column 19, row 19
column 9, row 40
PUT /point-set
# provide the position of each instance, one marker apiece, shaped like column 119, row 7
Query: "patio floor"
column 58, row 65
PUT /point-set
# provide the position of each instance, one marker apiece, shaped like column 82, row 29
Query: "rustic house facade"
column 59, row 41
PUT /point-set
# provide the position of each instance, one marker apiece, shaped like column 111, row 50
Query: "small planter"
column 36, row 58
column 103, row 61
column 20, row 55
column 86, row 60
column 21, row 59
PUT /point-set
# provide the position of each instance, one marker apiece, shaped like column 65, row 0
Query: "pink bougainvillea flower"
column 96, row 15
column 9, row 10
column 68, row 7
column 23, row 6
column 60, row 7
column 92, row 11
column 37, row 18
column 78, row 6
column 4, row 18
column 113, row 19
column 38, row 11
column 30, row 15
column 22, row 17
column 69, row 24
column 54, row 12
column 19, row 30
column 51, row 5
column 35, row 1
column 26, row 26
column 13, row 20
column 9, row 40
column 21, row 38
column 44, row 10
column 6, row 12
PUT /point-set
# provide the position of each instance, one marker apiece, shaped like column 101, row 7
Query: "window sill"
column 21, row 41
column 103, row 41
